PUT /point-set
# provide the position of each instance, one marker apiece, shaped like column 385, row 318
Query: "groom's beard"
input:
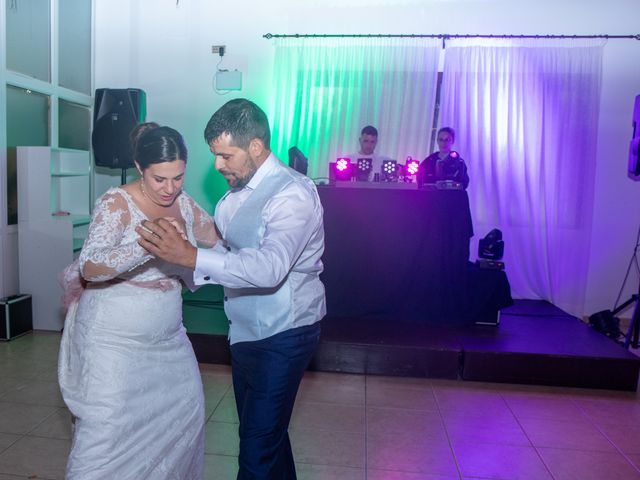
column 239, row 180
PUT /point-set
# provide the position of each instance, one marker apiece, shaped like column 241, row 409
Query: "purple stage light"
column 343, row 164
column 389, row 170
column 363, row 169
column 389, row 166
column 340, row 169
column 411, row 166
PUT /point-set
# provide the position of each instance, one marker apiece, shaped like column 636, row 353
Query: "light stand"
column 634, row 326
column 633, row 332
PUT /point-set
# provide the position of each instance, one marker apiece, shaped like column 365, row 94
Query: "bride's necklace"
column 152, row 205
column 144, row 192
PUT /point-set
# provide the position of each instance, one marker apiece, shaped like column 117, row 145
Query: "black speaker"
column 116, row 112
column 604, row 322
column 298, row 161
column 491, row 247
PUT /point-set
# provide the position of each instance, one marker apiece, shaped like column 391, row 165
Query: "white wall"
column 164, row 49
column 4, row 268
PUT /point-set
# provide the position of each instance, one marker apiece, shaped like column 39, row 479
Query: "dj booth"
column 395, row 251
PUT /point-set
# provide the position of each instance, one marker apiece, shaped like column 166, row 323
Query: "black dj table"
column 400, row 252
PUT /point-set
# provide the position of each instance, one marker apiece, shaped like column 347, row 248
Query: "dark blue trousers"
column 266, row 376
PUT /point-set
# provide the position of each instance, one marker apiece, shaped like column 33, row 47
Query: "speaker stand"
column 123, row 176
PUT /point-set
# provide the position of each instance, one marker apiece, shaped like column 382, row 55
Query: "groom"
column 269, row 263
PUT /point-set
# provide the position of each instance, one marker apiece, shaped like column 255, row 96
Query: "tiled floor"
column 359, row 427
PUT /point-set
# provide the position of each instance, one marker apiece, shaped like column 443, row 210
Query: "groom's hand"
column 161, row 238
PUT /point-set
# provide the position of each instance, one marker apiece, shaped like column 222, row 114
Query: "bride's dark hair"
column 152, row 143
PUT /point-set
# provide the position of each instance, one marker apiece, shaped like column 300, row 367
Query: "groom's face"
column 236, row 165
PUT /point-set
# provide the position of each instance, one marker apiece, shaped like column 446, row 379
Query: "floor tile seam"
column 612, row 448
column 34, row 381
column 221, row 423
column 22, row 376
column 447, row 435
column 599, row 403
column 449, row 415
column 600, row 429
column 518, row 421
column 23, row 477
column 220, row 455
column 458, row 443
column 213, row 420
column 396, row 470
column 216, row 406
column 293, row 428
column 629, row 461
column 307, row 429
column 574, row 449
column 331, row 462
column 209, row 382
column 566, row 420
column 583, row 411
column 595, row 414
column 532, row 397
column 216, row 368
column 348, row 380
column 19, row 435
column 223, row 393
column 339, row 404
column 408, row 409
column 400, row 386
column 20, row 362
column 366, row 427
column 529, row 447
column 220, row 385
column 29, row 403
column 430, row 473
column 333, row 404
column 43, row 437
column 402, row 409
column 329, row 465
column 55, row 412
column 618, row 449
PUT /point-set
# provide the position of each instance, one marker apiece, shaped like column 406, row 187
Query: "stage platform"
column 535, row 343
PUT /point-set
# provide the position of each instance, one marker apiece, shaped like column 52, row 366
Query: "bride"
column 127, row 370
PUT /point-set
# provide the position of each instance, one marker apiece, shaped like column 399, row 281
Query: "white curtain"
column 325, row 90
column 526, row 117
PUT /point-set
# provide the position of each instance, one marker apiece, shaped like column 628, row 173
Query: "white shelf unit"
column 50, row 181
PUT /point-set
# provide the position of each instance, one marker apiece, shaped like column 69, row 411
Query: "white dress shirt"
column 291, row 244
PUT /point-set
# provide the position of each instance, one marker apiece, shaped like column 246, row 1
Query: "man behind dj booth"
column 368, row 141
column 444, row 164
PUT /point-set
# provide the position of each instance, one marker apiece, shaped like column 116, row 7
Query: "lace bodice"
column 112, row 245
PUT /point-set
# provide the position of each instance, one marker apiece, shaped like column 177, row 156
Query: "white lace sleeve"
column 203, row 226
column 107, row 252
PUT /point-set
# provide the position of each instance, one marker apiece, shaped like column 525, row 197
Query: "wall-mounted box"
column 227, row 80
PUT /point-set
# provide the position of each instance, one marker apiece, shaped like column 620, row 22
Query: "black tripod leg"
column 634, row 326
column 635, row 321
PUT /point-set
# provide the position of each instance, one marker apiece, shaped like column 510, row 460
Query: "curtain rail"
column 444, row 36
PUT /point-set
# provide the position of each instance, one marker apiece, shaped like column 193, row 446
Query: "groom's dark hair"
column 243, row 120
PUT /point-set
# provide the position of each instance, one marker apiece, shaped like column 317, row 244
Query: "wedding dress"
column 126, row 368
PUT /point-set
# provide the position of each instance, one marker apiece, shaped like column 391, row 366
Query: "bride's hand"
column 178, row 225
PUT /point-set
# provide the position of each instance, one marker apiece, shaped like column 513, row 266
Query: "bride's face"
column 162, row 182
